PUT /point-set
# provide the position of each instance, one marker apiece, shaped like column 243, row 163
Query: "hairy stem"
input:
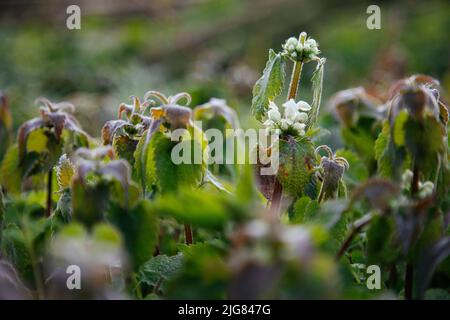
column 293, row 87
column 48, row 210
column 295, row 80
column 188, row 234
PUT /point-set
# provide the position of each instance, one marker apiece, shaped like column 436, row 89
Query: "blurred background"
column 209, row 48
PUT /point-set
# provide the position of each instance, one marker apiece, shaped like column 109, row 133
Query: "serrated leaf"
column 64, row 172
column 269, row 86
column 317, row 84
column 160, row 268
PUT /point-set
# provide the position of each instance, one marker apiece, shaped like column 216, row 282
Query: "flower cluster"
column 425, row 188
column 302, row 49
column 293, row 121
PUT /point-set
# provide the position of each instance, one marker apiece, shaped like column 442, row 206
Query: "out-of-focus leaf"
column 11, row 176
column 11, row 287
column 196, row 207
column 269, row 86
column 160, row 268
column 357, row 171
column 428, row 263
column 140, row 228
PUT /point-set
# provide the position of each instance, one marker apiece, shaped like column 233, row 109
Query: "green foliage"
column 140, row 228
column 270, row 85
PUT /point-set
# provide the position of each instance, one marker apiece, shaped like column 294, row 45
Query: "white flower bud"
column 284, row 124
column 299, row 126
column 302, row 117
column 303, row 105
column 274, row 115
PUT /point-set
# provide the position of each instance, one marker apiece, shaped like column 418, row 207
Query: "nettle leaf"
column 296, row 165
column 125, row 146
column 160, row 268
column 305, row 210
column 197, row 207
column 317, row 84
column 164, row 173
column 357, row 172
column 11, row 176
column 270, row 85
column 140, row 228
column 425, row 141
column 64, row 172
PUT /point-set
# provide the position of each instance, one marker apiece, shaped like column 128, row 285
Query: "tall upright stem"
column 295, row 79
column 292, row 93
column 49, row 193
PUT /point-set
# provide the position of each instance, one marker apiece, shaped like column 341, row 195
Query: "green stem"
column 293, row 87
column 295, row 80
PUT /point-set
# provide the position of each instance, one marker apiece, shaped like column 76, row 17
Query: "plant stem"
column 278, row 189
column 276, row 199
column 188, row 234
column 295, row 80
column 49, row 193
column 321, row 193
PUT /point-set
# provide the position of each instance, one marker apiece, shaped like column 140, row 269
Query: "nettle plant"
column 298, row 161
column 141, row 225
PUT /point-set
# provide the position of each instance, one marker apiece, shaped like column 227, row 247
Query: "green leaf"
column 197, row 207
column 269, row 86
column 296, row 165
column 11, row 176
column 163, row 172
column 160, row 268
column 398, row 134
column 140, row 229
column 428, row 263
column 317, row 84
column 357, row 172
column 64, row 172
column 305, row 210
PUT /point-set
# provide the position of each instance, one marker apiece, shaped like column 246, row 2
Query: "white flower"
column 311, row 42
column 303, row 106
column 290, row 109
column 292, row 41
column 302, row 117
column 299, row 47
column 299, row 126
column 268, row 123
column 285, row 124
column 274, row 115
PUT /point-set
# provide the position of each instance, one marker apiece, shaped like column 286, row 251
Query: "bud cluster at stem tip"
column 301, row 49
